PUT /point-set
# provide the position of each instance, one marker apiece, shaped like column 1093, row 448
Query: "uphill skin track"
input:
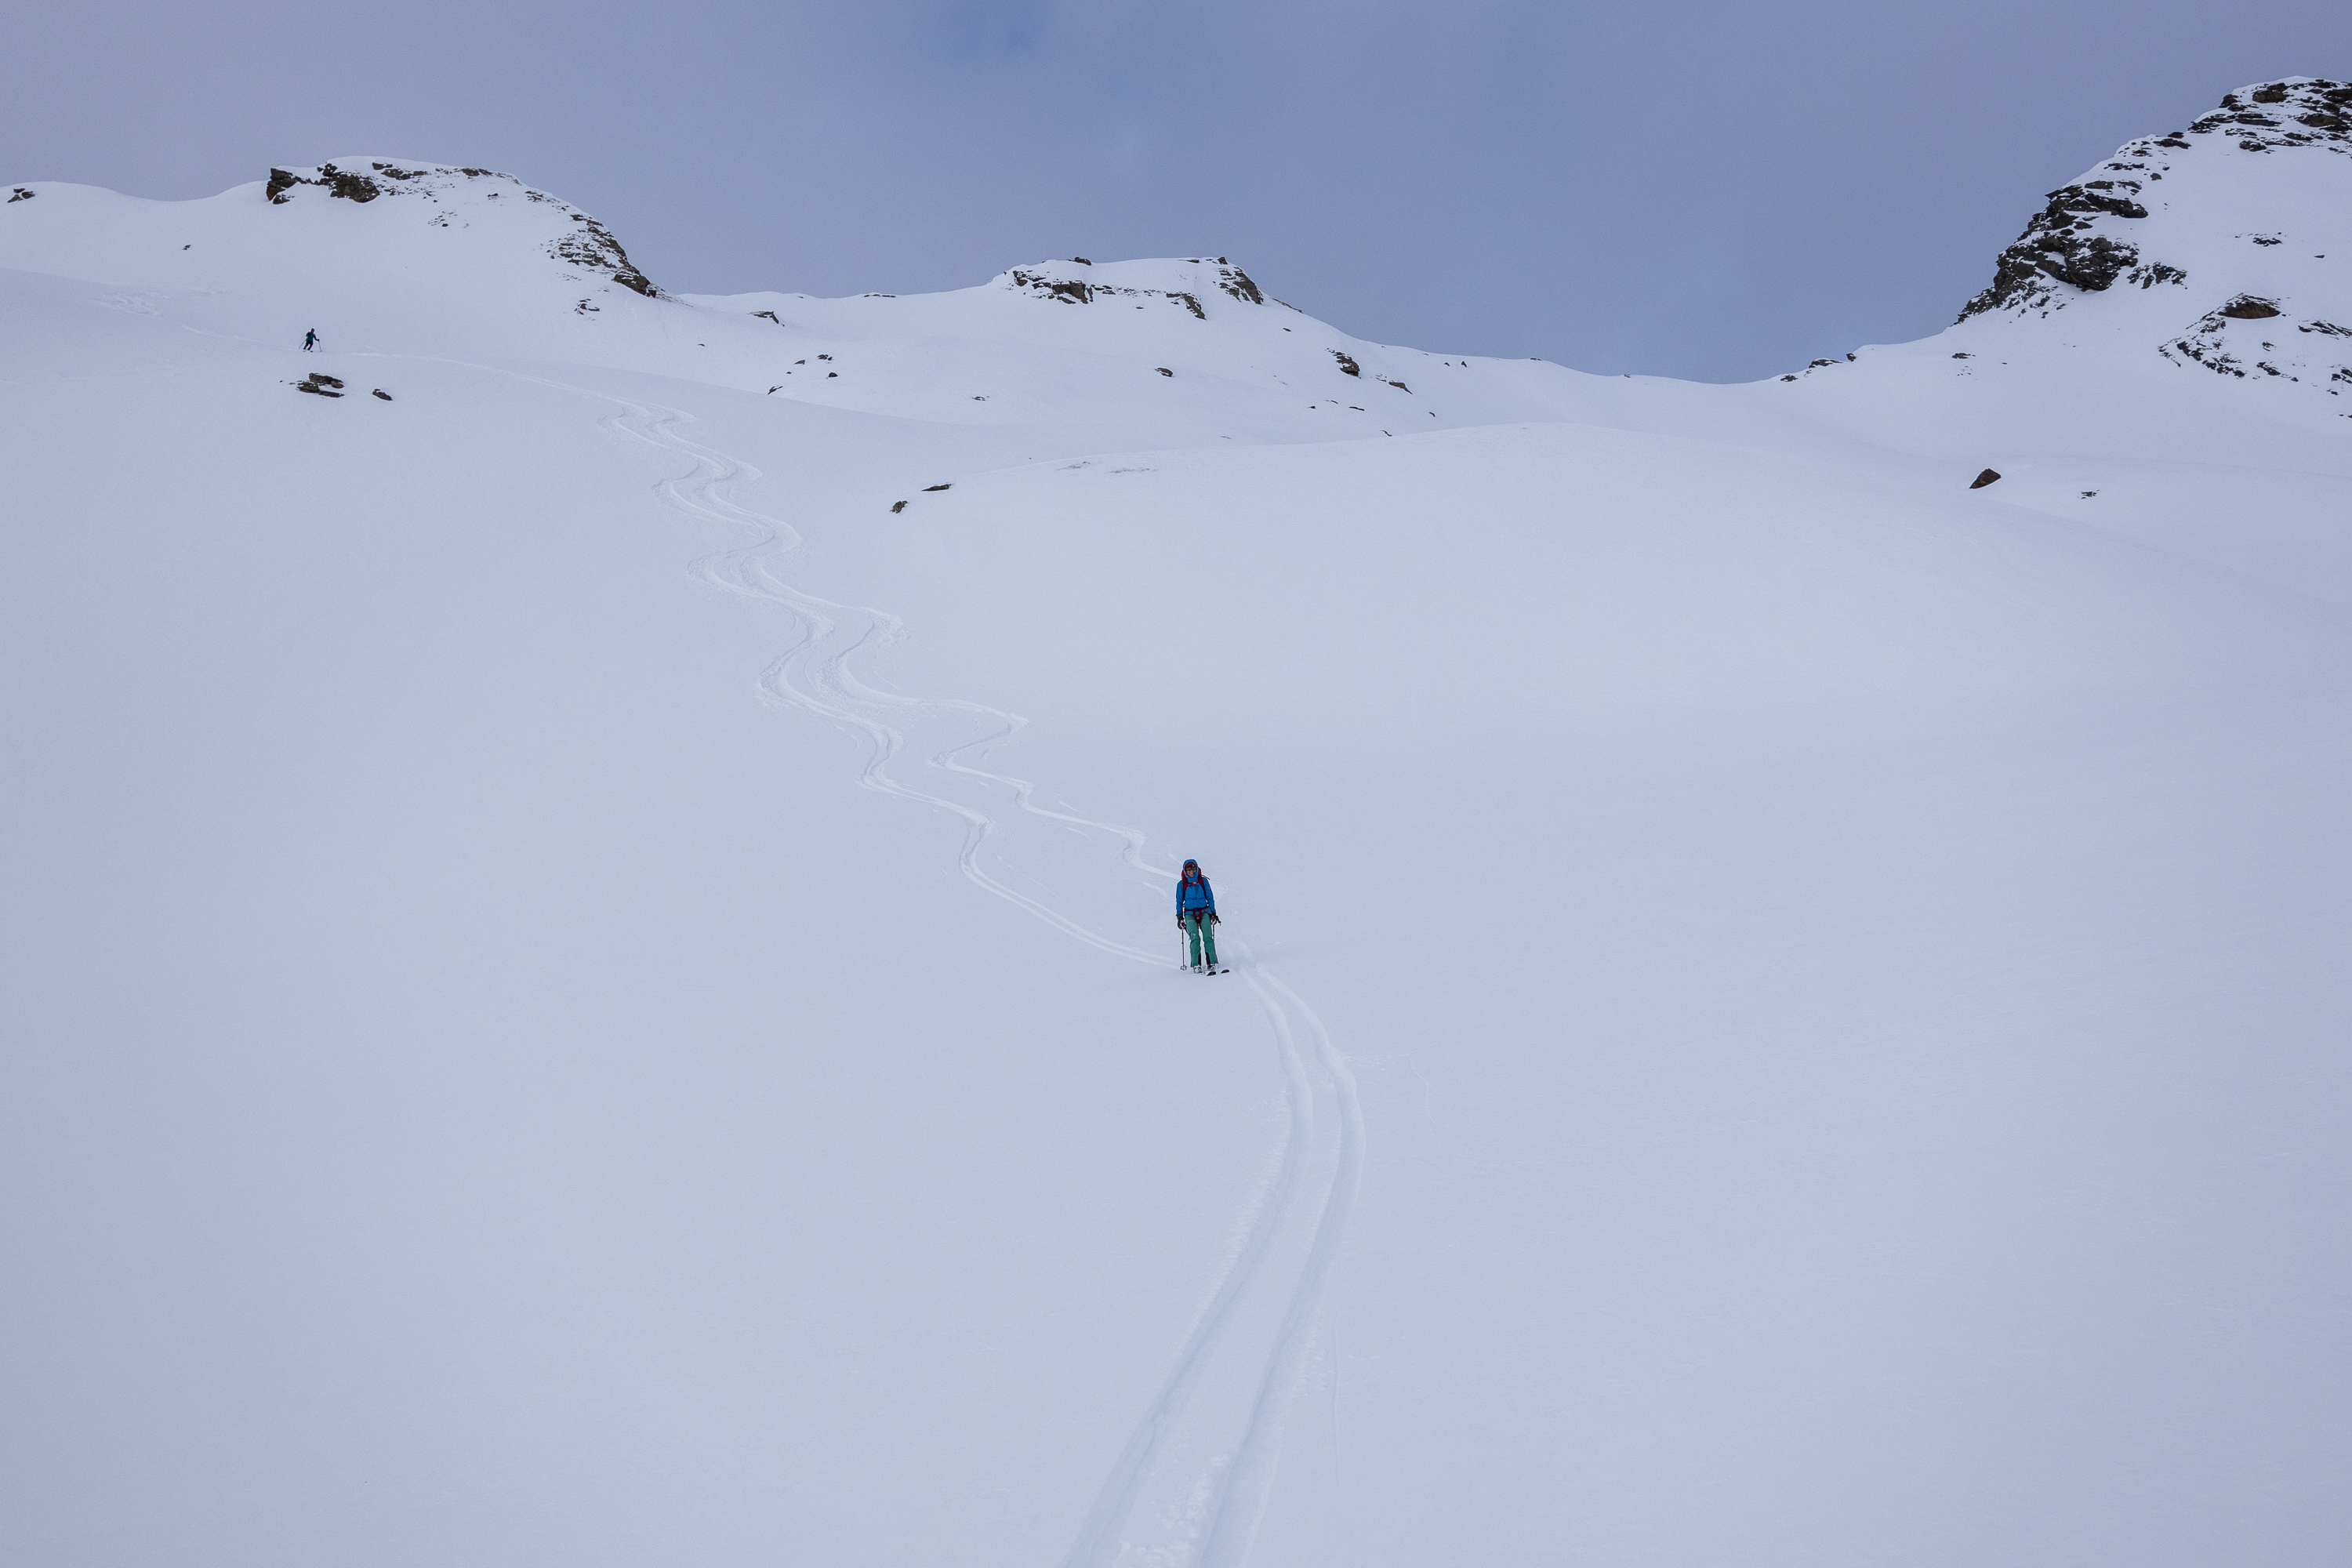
column 815, row 675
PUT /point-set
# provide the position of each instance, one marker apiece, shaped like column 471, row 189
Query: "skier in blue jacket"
column 1196, row 915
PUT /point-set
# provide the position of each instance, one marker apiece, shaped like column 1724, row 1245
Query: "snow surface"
column 1784, row 1010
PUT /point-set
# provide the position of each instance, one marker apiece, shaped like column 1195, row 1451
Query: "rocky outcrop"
column 1048, row 281
column 1068, row 290
column 2251, row 339
column 1237, row 283
column 2064, row 243
column 2083, row 241
column 589, row 245
column 592, row 246
column 2301, row 112
column 343, row 183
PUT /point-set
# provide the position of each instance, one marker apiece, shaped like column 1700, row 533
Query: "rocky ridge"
column 1053, row 280
column 589, row 245
column 2083, row 241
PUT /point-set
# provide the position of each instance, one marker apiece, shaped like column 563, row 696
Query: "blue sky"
column 1712, row 190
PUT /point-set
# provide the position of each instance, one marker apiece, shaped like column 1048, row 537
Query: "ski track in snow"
column 814, row 675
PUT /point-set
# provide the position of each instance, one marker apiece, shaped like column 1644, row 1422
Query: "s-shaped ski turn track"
column 814, row 675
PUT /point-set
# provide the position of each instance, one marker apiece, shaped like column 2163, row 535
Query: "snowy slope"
column 1784, row 1009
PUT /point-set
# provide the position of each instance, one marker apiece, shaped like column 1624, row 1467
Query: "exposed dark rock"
column 592, row 246
column 2318, row 105
column 2204, row 346
column 351, row 187
column 1347, row 365
column 949, row 486
column 19, row 194
column 1078, row 291
column 2221, row 344
column 589, row 245
column 323, row 380
column 1237, row 283
column 380, row 392
column 306, row 386
column 770, row 314
column 1988, row 477
column 1165, row 370
column 897, row 506
column 2073, row 244
column 2056, row 247
column 1399, row 385
column 1068, row 290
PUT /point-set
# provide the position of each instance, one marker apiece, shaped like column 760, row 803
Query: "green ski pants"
column 1197, row 927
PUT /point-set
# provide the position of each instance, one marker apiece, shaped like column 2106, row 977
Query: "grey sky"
column 1704, row 190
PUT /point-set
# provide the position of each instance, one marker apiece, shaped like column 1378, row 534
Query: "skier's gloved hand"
column 1214, row 921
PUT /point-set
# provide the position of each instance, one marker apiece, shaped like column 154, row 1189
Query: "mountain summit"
column 2232, row 240
column 2092, row 232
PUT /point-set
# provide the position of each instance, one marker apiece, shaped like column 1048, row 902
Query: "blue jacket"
column 1194, row 897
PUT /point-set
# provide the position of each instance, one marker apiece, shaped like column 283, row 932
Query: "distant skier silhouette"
column 1196, row 915
column 310, row 340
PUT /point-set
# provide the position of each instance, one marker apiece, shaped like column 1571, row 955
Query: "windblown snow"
column 590, row 955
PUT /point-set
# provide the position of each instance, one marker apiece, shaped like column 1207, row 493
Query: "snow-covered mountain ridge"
column 2222, row 247
column 589, row 952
